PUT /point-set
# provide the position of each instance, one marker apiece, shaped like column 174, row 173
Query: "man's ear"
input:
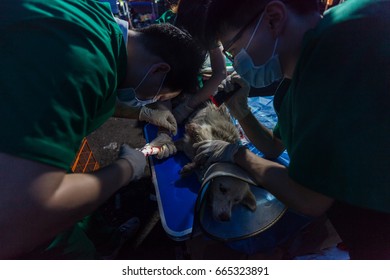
column 276, row 17
column 160, row 67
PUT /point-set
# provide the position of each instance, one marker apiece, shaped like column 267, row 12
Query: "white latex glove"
column 161, row 118
column 238, row 103
column 182, row 111
column 136, row 159
column 210, row 151
column 164, row 141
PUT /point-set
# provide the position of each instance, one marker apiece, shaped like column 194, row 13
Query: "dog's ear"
column 249, row 201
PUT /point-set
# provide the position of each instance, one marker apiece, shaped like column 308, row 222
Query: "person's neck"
column 297, row 30
column 131, row 41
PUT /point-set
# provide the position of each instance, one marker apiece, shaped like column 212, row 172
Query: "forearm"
column 51, row 202
column 92, row 189
column 209, row 88
column 274, row 177
column 261, row 137
column 217, row 61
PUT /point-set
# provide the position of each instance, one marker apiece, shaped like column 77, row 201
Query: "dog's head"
column 225, row 192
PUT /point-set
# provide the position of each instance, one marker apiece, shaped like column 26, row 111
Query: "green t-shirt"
column 61, row 61
column 335, row 117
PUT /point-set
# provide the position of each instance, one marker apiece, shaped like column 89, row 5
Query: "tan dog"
column 225, row 192
column 214, row 123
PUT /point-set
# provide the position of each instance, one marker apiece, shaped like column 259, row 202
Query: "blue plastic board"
column 176, row 196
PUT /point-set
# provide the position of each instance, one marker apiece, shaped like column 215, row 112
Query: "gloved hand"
column 182, row 111
column 161, row 118
column 210, row 151
column 136, row 159
column 238, row 103
column 164, row 141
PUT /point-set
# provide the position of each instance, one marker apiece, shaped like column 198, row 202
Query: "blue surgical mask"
column 129, row 95
column 258, row 76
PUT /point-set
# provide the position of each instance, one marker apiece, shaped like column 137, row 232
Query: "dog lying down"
column 214, row 123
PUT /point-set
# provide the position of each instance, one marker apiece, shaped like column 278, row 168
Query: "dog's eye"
column 236, row 200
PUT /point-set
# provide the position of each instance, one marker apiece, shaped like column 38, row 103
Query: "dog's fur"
column 214, row 123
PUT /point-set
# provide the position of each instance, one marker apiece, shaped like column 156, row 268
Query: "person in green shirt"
column 61, row 65
column 333, row 109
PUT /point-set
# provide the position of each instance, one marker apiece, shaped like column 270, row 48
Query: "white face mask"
column 261, row 75
column 129, row 95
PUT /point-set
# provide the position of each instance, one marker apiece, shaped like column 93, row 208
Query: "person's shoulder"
column 353, row 22
column 356, row 13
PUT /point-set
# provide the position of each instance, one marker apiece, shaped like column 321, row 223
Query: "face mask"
column 145, row 102
column 261, row 75
column 129, row 95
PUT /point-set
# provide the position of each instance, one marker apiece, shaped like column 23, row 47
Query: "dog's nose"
column 224, row 217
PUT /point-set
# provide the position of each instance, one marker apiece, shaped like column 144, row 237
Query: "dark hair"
column 223, row 15
column 303, row 7
column 177, row 48
column 191, row 16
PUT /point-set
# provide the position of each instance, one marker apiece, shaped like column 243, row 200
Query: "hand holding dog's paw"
column 135, row 158
column 164, row 141
column 210, row 151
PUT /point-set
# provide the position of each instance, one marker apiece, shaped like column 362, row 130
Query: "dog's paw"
column 188, row 169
